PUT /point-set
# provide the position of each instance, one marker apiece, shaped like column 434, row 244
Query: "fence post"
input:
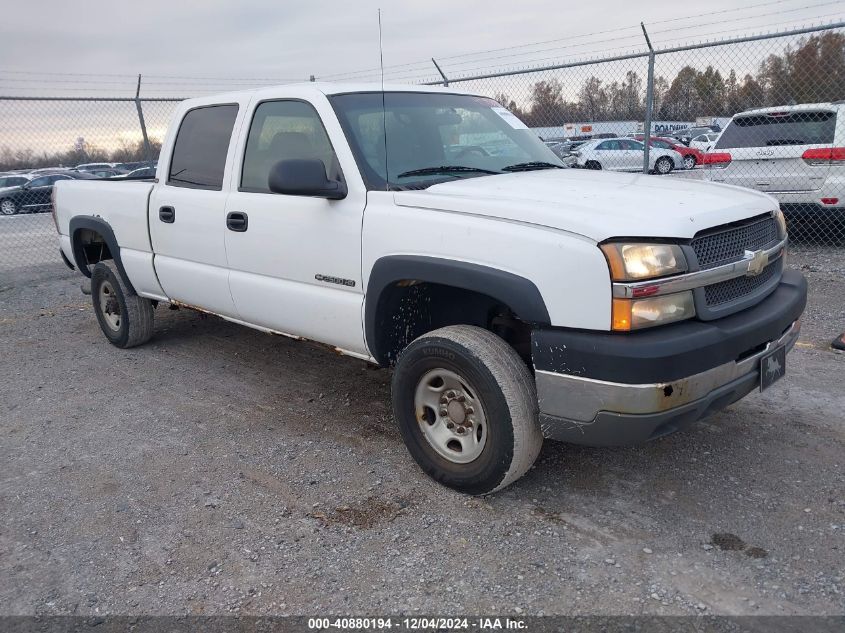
column 442, row 74
column 649, row 102
column 147, row 150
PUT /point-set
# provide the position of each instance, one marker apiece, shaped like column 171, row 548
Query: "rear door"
column 766, row 150
column 187, row 209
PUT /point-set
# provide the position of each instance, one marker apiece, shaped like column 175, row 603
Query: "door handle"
column 237, row 221
column 167, row 215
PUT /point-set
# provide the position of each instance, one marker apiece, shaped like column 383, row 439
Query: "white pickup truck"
column 430, row 231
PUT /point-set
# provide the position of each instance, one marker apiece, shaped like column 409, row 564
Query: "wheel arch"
column 394, row 272
column 82, row 226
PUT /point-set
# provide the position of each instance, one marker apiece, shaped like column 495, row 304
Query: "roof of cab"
column 324, row 88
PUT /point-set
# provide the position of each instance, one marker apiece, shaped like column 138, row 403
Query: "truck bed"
column 121, row 203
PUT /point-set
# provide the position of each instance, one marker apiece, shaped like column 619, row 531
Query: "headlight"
column 634, row 314
column 781, row 221
column 634, row 262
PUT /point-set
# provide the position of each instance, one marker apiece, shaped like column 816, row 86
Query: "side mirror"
column 304, row 177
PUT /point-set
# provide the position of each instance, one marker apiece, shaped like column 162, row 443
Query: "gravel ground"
column 222, row 470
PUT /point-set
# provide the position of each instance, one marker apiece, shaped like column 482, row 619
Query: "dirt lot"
column 220, row 470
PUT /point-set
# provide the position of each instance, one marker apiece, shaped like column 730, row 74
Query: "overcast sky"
column 185, row 48
column 177, row 42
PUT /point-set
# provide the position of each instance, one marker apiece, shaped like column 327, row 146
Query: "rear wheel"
column 125, row 318
column 593, row 164
column 663, row 165
column 8, row 207
column 467, row 409
column 689, row 161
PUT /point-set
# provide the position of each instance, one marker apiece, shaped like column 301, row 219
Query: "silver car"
column 625, row 154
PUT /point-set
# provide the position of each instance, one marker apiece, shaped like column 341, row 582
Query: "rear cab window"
column 773, row 129
column 202, row 143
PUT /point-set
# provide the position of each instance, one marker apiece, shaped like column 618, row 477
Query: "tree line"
column 81, row 152
column 812, row 72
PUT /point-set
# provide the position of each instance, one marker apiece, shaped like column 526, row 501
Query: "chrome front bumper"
column 597, row 412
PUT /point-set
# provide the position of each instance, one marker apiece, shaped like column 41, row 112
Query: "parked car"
column 625, row 154
column 513, row 299
column 93, row 166
column 703, row 142
column 796, row 153
column 13, row 180
column 143, row 172
column 686, row 135
column 690, row 155
column 33, row 195
column 562, row 149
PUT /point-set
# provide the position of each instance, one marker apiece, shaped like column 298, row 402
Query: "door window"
column 284, row 130
column 199, row 154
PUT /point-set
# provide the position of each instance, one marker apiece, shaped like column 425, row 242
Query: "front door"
column 295, row 261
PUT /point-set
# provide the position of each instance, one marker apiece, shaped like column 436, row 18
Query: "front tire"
column 592, row 164
column 466, row 406
column 8, row 207
column 663, row 165
column 689, row 161
column 125, row 318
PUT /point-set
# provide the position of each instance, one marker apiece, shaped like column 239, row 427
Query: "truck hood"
column 595, row 204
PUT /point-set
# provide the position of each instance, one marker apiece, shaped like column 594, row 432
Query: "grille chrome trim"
column 691, row 281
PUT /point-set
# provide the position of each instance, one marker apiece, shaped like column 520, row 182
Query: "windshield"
column 434, row 137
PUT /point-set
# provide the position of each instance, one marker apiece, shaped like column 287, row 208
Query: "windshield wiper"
column 532, row 166
column 444, row 169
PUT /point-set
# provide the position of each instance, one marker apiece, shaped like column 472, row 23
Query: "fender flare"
column 104, row 229
column 518, row 293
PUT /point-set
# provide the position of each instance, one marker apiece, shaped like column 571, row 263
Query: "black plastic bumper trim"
column 668, row 353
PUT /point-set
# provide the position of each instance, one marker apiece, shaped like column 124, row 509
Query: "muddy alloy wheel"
column 125, row 318
column 466, row 406
column 451, row 416
column 109, row 306
column 8, row 207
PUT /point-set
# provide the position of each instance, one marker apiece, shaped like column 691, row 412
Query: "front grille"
column 729, row 244
column 739, row 287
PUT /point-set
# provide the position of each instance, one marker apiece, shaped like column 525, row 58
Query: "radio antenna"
column 383, row 107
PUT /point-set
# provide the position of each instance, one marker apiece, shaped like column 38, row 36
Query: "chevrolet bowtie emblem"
column 757, row 261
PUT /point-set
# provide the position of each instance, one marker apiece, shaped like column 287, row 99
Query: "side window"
column 284, row 130
column 42, row 182
column 199, row 154
column 604, row 145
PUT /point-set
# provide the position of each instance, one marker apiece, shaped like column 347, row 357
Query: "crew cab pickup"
column 430, row 231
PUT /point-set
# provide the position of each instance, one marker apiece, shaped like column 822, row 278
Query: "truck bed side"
column 123, row 207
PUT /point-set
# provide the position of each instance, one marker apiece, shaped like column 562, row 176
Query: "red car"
column 692, row 156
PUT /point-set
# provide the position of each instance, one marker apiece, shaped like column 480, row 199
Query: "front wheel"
column 689, row 161
column 125, row 318
column 466, row 406
column 592, row 164
column 8, row 207
column 663, row 165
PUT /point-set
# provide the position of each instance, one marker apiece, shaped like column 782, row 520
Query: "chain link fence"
column 43, row 140
column 764, row 112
